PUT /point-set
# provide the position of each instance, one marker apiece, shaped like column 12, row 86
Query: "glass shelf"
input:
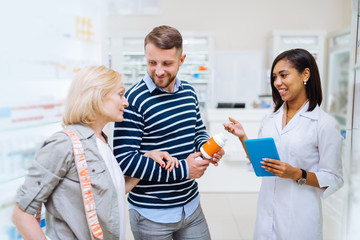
column 197, row 68
column 8, row 179
column 8, row 192
column 338, row 77
column 34, row 125
column 341, row 118
column 18, row 147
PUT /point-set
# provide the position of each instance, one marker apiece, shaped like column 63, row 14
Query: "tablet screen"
column 258, row 149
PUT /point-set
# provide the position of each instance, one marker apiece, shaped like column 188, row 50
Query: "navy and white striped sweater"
column 165, row 122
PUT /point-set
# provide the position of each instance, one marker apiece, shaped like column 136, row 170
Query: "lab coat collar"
column 314, row 114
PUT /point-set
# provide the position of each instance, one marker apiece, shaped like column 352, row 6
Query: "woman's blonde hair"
column 84, row 100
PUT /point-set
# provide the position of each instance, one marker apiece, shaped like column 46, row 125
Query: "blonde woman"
column 96, row 97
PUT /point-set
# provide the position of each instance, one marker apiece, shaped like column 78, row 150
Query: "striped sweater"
column 165, row 122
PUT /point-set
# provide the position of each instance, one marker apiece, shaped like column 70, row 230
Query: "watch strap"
column 303, row 173
column 303, row 178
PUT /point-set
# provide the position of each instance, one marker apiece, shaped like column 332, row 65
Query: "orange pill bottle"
column 213, row 145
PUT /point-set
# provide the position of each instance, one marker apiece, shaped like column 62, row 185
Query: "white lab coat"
column 311, row 141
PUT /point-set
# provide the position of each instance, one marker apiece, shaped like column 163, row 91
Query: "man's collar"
column 151, row 85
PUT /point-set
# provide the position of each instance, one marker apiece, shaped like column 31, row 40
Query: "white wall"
column 240, row 24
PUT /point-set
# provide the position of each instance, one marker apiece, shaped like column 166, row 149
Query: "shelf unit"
column 126, row 55
column 336, row 99
column 338, row 75
column 18, row 147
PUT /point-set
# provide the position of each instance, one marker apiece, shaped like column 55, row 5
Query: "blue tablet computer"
column 258, row 149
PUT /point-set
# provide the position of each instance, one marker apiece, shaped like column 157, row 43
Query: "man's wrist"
column 186, row 170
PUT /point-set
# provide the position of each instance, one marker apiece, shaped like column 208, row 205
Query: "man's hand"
column 160, row 156
column 196, row 167
column 217, row 156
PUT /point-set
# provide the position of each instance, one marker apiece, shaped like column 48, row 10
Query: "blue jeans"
column 193, row 227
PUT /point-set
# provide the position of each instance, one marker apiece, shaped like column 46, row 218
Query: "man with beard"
column 163, row 122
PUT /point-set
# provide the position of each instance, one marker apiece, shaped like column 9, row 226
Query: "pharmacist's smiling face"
column 163, row 65
column 289, row 82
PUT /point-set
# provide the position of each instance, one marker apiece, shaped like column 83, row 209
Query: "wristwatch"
column 302, row 180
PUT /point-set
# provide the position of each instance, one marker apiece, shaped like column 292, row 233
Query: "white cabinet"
column 126, row 55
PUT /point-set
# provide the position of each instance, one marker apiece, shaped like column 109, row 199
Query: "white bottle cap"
column 220, row 139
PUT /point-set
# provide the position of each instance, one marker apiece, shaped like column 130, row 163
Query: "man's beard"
column 172, row 79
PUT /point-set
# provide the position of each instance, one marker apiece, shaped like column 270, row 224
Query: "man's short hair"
column 165, row 37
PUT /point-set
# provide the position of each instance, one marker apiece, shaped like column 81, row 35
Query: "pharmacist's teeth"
column 282, row 90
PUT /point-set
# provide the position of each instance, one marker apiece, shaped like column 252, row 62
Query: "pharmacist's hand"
column 279, row 168
column 161, row 156
column 235, row 128
column 198, row 166
column 217, row 156
column 130, row 183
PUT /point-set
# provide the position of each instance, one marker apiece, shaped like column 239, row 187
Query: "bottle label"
column 210, row 147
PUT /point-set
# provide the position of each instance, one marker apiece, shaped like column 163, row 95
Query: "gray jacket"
column 53, row 180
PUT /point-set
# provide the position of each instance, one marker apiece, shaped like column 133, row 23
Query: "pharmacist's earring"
column 305, row 81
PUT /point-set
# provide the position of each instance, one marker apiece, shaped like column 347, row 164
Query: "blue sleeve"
column 127, row 150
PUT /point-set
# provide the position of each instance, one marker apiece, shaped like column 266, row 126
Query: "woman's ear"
column 306, row 74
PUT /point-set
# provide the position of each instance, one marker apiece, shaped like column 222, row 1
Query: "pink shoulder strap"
column 88, row 198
